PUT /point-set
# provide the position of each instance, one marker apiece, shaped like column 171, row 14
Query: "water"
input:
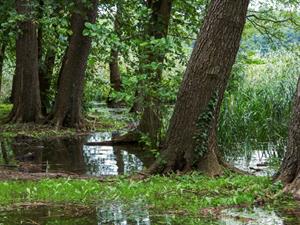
column 256, row 158
column 139, row 214
column 259, row 216
column 72, row 155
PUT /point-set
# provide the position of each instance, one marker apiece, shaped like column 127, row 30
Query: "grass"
column 186, row 194
column 258, row 101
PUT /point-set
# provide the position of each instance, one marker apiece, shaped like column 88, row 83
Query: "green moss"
column 187, row 194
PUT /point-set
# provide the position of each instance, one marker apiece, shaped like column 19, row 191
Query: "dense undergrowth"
column 257, row 104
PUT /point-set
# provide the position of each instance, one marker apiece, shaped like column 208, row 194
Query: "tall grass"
column 258, row 102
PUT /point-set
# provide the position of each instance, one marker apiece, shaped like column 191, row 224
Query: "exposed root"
column 233, row 168
column 292, row 187
column 129, row 138
column 59, row 122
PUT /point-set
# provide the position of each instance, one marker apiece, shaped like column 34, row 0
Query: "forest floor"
column 94, row 123
column 191, row 195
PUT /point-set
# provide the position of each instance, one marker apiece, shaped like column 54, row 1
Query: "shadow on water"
column 138, row 214
column 72, row 155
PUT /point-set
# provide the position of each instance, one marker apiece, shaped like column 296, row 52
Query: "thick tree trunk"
column 191, row 141
column 2, row 55
column 27, row 103
column 289, row 172
column 68, row 105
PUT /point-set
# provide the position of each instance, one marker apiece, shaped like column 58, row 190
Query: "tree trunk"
column 2, row 56
column 150, row 123
column 191, row 137
column 115, row 78
column 145, row 100
column 4, row 152
column 45, row 74
column 289, row 172
column 68, row 105
column 115, row 75
column 45, row 67
column 27, row 103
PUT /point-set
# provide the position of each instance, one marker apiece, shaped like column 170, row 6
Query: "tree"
column 2, row 55
column 27, row 103
column 151, row 66
column 46, row 64
column 290, row 167
column 150, row 123
column 114, row 70
column 68, row 105
column 191, row 140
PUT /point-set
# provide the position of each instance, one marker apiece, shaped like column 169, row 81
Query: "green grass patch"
column 188, row 194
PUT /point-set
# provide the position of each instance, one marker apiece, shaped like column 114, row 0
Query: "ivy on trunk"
column 191, row 138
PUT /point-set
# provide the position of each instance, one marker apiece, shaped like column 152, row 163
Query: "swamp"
column 146, row 112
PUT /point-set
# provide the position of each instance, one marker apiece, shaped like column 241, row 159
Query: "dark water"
column 137, row 214
column 73, row 155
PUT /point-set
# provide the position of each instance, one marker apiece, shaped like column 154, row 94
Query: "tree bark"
column 2, row 56
column 45, row 66
column 114, row 70
column 45, row 74
column 289, row 172
column 145, row 100
column 68, row 105
column 191, row 137
column 26, row 100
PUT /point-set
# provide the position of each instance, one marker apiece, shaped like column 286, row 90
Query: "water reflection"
column 255, row 158
column 72, row 155
column 120, row 214
column 257, row 216
column 108, row 213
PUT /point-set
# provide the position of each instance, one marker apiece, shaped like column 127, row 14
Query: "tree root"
column 129, row 138
column 233, row 169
